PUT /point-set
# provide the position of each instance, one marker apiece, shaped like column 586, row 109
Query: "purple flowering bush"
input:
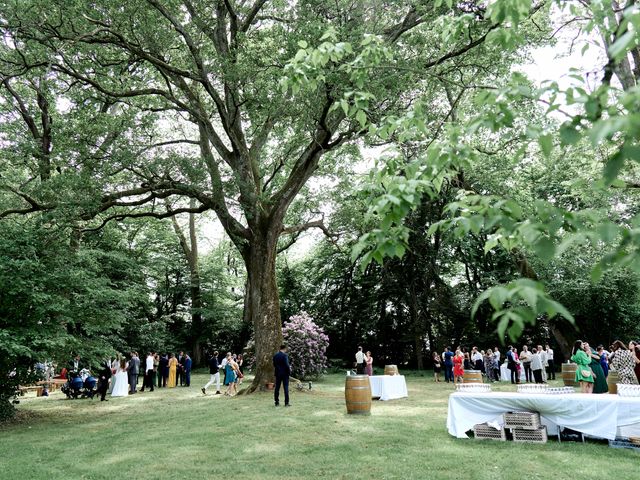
column 307, row 344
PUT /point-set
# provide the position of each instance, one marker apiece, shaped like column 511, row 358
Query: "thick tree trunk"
column 196, row 318
column 190, row 250
column 417, row 327
column 561, row 340
column 263, row 304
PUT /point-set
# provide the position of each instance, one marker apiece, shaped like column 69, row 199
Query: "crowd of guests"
column 536, row 362
column 593, row 365
column 166, row 370
column 232, row 370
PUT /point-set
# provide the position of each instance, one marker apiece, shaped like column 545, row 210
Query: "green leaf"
column 618, row 49
column 345, row 106
column 545, row 249
column 613, row 166
column 361, row 117
column 632, row 152
column 569, row 135
column 554, row 308
column 596, row 272
column 546, row 144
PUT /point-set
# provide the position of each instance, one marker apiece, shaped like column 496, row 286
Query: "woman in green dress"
column 599, row 381
column 584, row 375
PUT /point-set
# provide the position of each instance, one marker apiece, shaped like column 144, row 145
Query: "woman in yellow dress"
column 173, row 362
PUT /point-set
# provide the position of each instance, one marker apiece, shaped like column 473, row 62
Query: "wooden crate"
column 538, row 435
column 482, row 431
column 523, row 420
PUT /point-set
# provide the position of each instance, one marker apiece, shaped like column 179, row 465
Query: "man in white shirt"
column 359, row 361
column 543, row 359
column 536, row 365
column 496, row 354
column 476, row 358
column 551, row 367
column 148, row 373
column 525, row 358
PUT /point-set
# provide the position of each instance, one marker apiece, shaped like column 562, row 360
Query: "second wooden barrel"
column 391, row 370
column 472, row 376
column 569, row 374
column 357, row 394
column 612, row 382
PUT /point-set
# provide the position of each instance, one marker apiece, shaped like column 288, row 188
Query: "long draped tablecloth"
column 505, row 373
column 599, row 416
column 388, row 387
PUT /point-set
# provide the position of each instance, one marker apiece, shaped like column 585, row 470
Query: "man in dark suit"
column 187, row 370
column 163, row 368
column 105, row 375
column 283, row 370
column 133, row 370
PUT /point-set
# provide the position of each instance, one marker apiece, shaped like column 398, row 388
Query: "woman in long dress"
column 368, row 364
column 230, row 376
column 599, row 379
column 458, row 370
column 115, row 365
column 121, row 381
column 173, row 366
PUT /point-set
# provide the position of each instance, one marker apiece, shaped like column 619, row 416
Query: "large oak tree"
column 201, row 81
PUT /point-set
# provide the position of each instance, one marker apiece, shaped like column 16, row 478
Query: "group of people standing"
column 593, row 365
column 120, row 376
column 232, row 369
column 537, row 362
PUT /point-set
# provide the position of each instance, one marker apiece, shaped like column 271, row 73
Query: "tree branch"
column 244, row 27
column 122, row 216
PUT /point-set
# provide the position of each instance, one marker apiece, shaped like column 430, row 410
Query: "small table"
column 388, row 387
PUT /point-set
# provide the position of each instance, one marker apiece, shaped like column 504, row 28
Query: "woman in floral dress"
column 623, row 361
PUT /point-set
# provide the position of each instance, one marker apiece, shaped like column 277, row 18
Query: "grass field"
column 181, row 434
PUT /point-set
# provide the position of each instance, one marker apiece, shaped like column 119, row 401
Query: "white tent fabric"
column 596, row 415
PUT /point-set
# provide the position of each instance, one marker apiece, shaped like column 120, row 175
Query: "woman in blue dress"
column 230, row 376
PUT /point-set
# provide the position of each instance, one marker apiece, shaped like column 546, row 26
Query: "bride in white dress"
column 121, row 381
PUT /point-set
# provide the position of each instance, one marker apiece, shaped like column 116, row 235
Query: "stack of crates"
column 526, row 427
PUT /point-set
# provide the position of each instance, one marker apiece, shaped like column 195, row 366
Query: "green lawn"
column 182, row 434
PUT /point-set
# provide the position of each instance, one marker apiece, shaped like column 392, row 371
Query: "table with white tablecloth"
column 505, row 373
column 388, row 387
column 601, row 416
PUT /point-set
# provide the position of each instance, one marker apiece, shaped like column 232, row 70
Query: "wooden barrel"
column 612, row 382
column 472, row 376
column 391, row 370
column 569, row 374
column 357, row 394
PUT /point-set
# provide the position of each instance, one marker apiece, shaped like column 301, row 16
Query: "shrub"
column 307, row 344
